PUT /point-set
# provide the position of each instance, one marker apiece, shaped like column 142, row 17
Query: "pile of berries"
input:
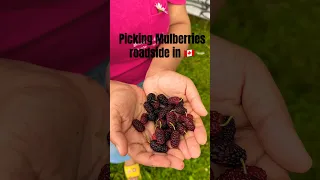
column 225, row 152
column 170, row 118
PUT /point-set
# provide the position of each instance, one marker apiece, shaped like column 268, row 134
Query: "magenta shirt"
column 133, row 17
column 69, row 35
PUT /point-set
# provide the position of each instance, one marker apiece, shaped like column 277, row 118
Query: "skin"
column 53, row 124
column 243, row 87
column 129, row 106
column 179, row 25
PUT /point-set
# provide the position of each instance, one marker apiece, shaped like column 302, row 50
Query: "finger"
column 176, row 153
column 267, row 112
column 200, row 132
column 116, row 135
column 183, row 147
column 193, row 97
column 273, row 170
column 142, row 156
column 176, row 163
column 193, row 145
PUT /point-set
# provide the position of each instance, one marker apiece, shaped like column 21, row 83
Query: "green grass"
column 198, row 69
column 285, row 34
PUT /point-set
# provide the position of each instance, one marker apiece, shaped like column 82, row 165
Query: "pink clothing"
column 134, row 17
column 68, row 35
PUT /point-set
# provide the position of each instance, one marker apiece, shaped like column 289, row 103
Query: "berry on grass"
column 175, row 139
column 138, row 125
column 158, row 147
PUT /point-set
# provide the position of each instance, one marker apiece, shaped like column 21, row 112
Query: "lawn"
column 198, row 69
column 285, row 34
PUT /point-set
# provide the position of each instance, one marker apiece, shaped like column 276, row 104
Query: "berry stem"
column 172, row 125
column 244, row 166
column 146, row 137
column 227, row 122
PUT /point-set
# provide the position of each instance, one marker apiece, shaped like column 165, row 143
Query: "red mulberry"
column 174, row 100
column 175, row 139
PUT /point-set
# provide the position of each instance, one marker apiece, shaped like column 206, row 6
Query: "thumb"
column 268, row 114
column 193, row 97
column 117, row 137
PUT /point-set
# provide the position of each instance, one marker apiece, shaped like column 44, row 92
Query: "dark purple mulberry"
column 227, row 154
column 175, row 139
column 162, row 99
column 182, row 130
column 174, row 100
column 160, row 136
column 152, row 117
column 158, row 147
column 151, row 97
column 180, row 110
column 144, row 118
column 148, row 107
column 155, row 105
column 161, row 123
column 138, row 125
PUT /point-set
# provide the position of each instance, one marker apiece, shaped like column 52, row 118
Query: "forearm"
column 180, row 25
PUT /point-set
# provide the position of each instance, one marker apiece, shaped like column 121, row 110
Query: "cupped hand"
column 171, row 84
column 243, row 87
column 126, row 104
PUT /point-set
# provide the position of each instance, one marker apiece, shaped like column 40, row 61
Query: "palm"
column 227, row 100
column 127, row 105
column 171, row 84
column 243, row 87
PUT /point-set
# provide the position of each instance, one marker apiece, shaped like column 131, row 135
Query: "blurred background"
column 285, row 34
column 198, row 69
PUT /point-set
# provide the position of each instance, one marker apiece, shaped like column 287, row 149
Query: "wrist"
column 156, row 68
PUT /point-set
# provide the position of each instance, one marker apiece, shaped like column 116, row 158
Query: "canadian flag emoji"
column 189, row 53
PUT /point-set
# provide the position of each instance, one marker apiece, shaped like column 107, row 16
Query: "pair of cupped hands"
column 241, row 86
column 126, row 104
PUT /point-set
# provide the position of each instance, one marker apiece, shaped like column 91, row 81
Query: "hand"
column 170, row 84
column 127, row 104
column 53, row 124
column 243, row 87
